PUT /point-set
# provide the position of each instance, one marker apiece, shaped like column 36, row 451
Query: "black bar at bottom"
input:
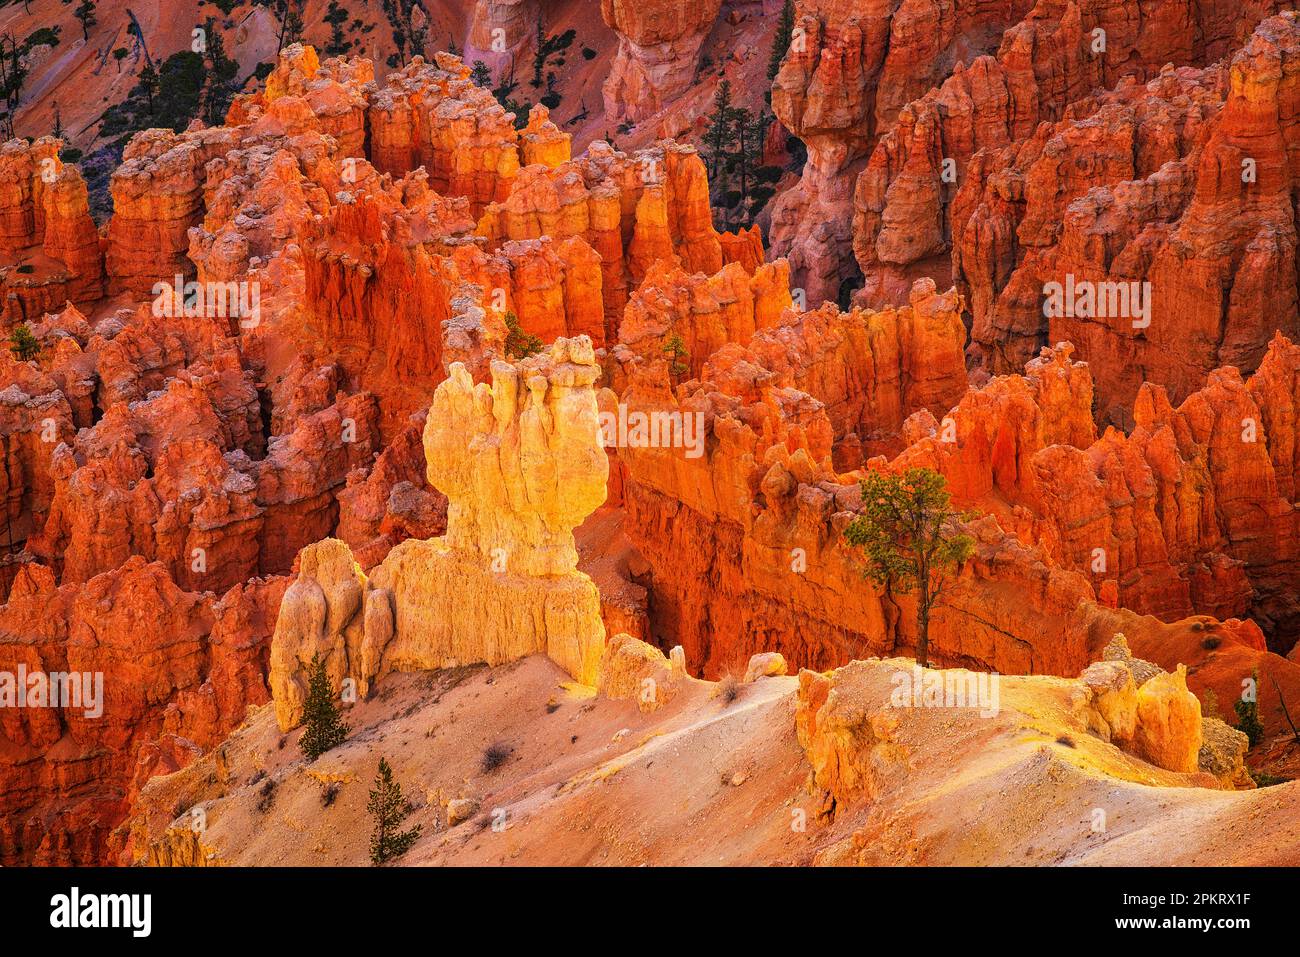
column 333, row 906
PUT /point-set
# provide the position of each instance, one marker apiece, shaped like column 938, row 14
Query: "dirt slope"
column 704, row 781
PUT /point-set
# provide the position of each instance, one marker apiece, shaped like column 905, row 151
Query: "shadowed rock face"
column 850, row 69
column 659, row 45
column 1172, row 176
column 895, row 102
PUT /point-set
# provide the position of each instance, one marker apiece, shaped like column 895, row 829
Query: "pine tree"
column 718, row 137
column 780, row 42
column 507, row 85
column 324, row 727
column 336, row 16
column 744, row 154
column 481, row 75
column 1248, row 716
column 23, row 344
column 678, row 356
column 539, row 56
column 286, row 11
column 911, row 539
column 389, row 809
column 149, row 82
column 519, row 344
column 293, row 27
column 12, row 76
column 751, row 131
column 220, row 91
column 86, row 14
column 221, row 73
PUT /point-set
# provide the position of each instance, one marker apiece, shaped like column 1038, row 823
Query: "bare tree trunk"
column 1285, row 711
column 923, row 625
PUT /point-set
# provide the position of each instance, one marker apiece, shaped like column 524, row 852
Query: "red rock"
column 45, row 227
column 659, row 45
column 68, row 776
column 1147, row 179
column 157, row 197
column 248, row 440
column 839, row 90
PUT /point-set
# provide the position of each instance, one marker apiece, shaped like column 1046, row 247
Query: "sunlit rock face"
column 521, row 465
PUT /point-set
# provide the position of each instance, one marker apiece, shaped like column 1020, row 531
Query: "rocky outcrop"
column 634, row 210
column 871, row 370
column 50, row 244
column 392, row 501
column 501, row 31
column 742, row 528
column 433, row 115
column 659, row 45
column 1171, row 178
column 170, row 672
column 703, row 312
column 1149, row 710
column 27, row 168
column 157, row 197
column 841, row 85
column 632, row 670
column 170, row 478
column 1094, row 516
column 860, row 725
column 520, row 464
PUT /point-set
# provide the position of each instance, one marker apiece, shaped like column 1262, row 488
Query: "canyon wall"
column 1127, row 170
column 49, row 242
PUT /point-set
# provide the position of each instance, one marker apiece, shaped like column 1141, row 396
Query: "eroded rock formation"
column 1174, row 177
column 850, row 69
column 658, row 51
column 521, row 466
column 50, row 246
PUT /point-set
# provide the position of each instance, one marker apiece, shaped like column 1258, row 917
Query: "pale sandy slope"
column 704, row 781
